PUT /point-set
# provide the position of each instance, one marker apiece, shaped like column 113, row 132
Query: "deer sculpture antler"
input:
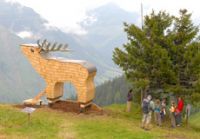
column 46, row 46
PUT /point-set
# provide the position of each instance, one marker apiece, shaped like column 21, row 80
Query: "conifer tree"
column 163, row 55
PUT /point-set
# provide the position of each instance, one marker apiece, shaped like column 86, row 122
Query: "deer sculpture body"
column 56, row 71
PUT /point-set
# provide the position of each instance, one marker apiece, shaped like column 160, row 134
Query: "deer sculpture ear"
column 40, row 45
column 32, row 50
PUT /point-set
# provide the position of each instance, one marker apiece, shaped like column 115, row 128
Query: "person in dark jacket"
column 129, row 100
column 163, row 109
column 147, row 111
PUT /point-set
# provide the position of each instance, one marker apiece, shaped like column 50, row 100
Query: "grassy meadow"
column 114, row 124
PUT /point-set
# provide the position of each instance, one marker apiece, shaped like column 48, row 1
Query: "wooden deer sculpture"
column 56, row 71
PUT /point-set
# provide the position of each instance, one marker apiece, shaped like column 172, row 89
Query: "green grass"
column 13, row 122
column 108, row 129
column 118, row 124
column 119, row 110
column 195, row 122
column 115, row 124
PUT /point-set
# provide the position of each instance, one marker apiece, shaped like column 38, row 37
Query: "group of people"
column 159, row 109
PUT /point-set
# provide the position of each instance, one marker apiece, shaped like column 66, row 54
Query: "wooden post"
column 29, row 118
column 187, row 114
column 188, row 110
column 28, row 110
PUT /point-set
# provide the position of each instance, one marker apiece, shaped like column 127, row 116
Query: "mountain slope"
column 106, row 31
column 16, row 17
column 17, row 78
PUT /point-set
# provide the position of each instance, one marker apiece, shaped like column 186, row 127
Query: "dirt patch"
column 66, row 106
column 69, row 106
column 72, row 106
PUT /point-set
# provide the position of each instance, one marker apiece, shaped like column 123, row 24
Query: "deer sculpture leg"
column 54, row 90
column 85, row 92
column 35, row 100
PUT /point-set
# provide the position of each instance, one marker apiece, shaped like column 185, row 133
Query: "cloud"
column 67, row 14
column 25, row 34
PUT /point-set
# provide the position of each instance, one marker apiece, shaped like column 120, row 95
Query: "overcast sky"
column 66, row 14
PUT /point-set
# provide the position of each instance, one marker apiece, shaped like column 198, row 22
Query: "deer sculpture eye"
column 32, row 50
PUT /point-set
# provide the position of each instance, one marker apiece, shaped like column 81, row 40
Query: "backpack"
column 145, row 106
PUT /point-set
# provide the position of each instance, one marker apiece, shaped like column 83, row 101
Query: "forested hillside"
column 114, row 91
column 17, row 78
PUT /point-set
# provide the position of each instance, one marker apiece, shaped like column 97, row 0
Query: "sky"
column 67, row 14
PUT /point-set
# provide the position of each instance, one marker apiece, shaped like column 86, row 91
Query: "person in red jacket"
column 178, row 111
